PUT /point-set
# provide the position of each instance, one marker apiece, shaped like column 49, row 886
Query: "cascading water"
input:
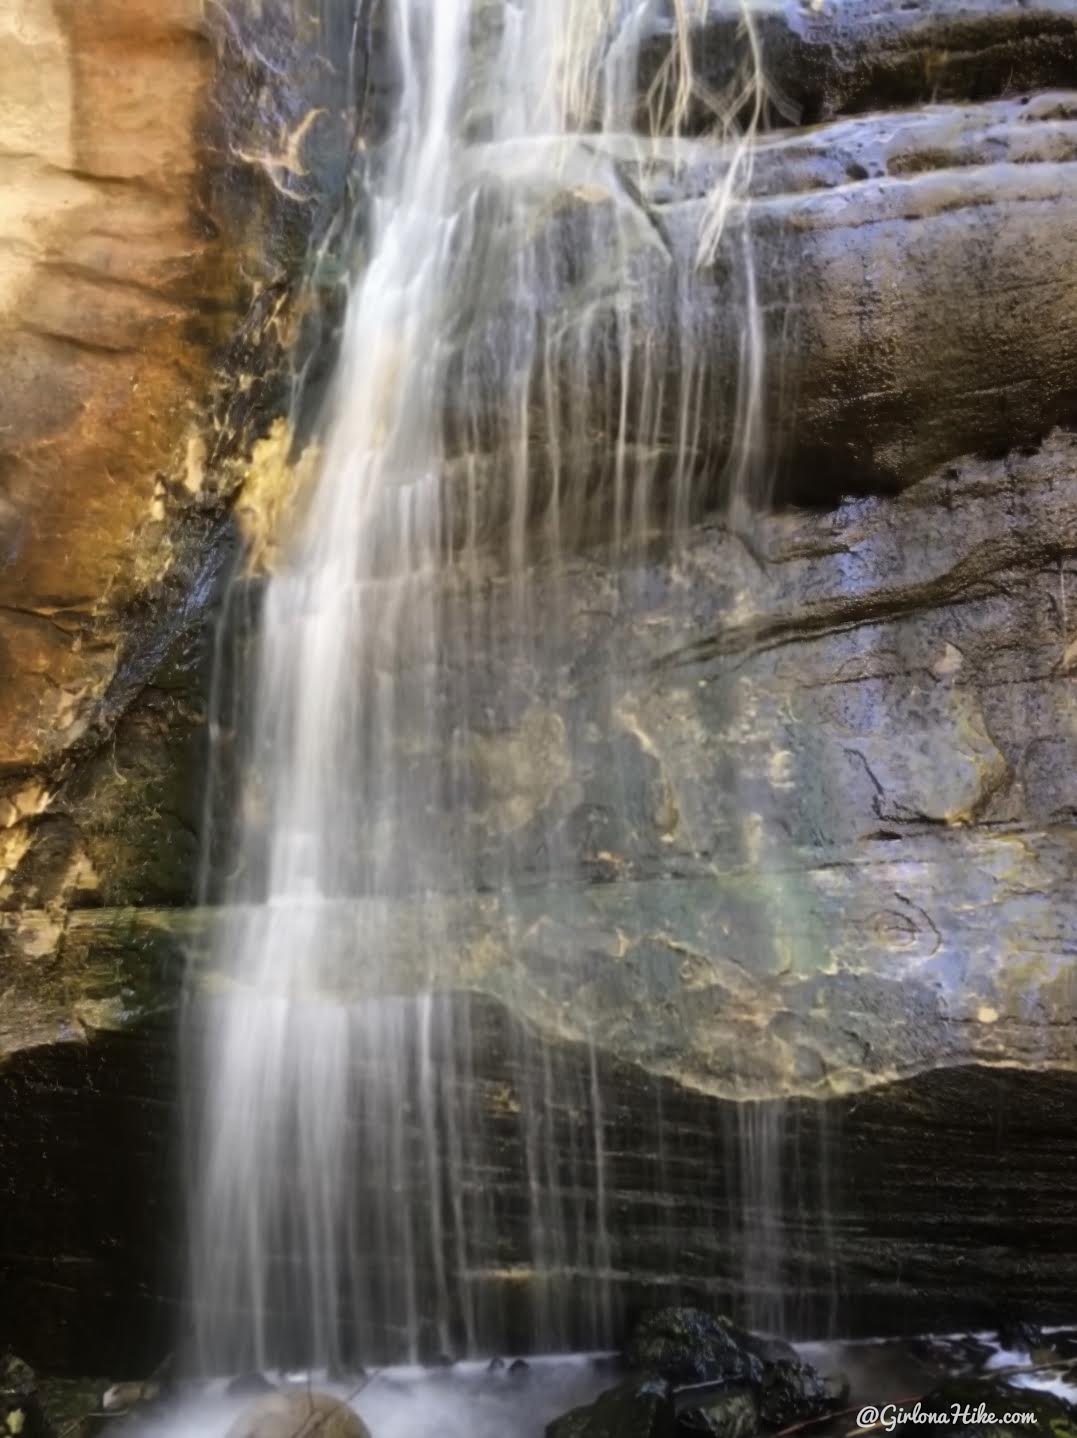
column 502, row 394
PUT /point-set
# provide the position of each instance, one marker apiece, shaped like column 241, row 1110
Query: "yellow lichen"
column 269, row 488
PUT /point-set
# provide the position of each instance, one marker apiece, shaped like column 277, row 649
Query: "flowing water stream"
column 509, row 386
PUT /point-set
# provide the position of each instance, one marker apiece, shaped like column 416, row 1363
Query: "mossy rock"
column 20, row 1406
column 731, row 1415
column 794, row 1392
column 632, row 1410
column 687, row 1345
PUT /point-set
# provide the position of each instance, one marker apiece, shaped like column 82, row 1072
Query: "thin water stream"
column 500, row 397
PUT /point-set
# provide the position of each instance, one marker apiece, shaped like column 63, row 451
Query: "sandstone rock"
column 828, row 59
column 149, row 256
column 298, row 1415
column 814, row 839
column 885, row 351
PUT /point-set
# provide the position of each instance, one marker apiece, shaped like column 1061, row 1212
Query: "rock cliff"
column 814, row 838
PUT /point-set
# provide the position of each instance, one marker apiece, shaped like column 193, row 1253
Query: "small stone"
column 249, row 1385
column 298, row 1415
column 123, row 1396
column 518, row 1367
column 495, row 1365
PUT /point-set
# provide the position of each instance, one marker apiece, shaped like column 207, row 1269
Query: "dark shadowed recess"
column 953, row 1203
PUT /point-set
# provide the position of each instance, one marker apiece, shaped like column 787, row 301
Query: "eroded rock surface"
column 813, row 832
column 150, row 245
column 814, row 836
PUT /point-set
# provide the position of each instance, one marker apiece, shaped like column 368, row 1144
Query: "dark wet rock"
column 745, row 1379
column 954, row 1355
column 885, row 349
column 792, row 1391
column 970, row 1404
column 1018, row 1336
column 21, row 1412
column 636, row 1409
column 298, row 1415
column 496, row 1365
column 90, row 1124
column 830, row 59
column 72, row 1408
column 519, row 1368
column 726, row 1415
column 1065, row 1343
column 684, row 1346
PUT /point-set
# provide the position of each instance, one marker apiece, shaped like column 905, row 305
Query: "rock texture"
column 813, row 840
column 162, row 174
column 950, row 1206
column 851, row 56
column 816, row 829
column 913, row 293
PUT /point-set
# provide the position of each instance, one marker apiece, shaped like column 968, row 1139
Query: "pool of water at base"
column 484, row 1400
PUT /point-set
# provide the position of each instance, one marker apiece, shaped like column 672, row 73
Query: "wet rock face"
column 844, row 58
column 163, row 174
column 813, row 831
column 868, row 1221
column 911, row 273
column 145, row 171
column 815, row 835
column 848, row 707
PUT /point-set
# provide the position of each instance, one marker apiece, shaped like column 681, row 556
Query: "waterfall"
column 505, row 391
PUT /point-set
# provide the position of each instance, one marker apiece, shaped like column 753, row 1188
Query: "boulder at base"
column 978, row 1409
column 697, row 1373
column 298, row 1415
column 635, row 1409
column 686, row 1345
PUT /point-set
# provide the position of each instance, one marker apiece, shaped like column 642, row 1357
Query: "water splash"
column 521, row 370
